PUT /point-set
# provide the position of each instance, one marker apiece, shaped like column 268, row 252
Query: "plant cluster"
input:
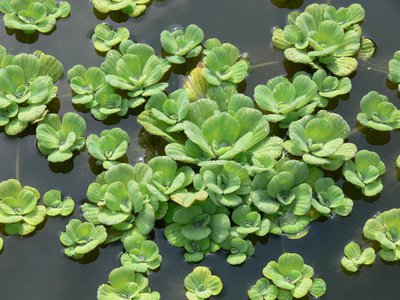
column 20, row 211
column 237, row 180
column 132, row 8
column 30, row 16
column 354, row 257
column 127, row 77
column 288, row 278
column 201, row 284
column 26, row 88
column 323, row 36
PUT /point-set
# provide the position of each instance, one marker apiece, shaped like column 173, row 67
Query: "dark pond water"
column 35, row 268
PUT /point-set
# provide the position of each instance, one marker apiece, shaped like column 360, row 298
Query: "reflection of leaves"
column 152, row 145
column 287, row 3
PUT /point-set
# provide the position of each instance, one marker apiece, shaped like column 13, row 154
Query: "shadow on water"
column 287, row 4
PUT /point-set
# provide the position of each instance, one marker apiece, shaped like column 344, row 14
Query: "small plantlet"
column 58, row 139
column 56, row 206
column 354, row 258
column 201, row 284
column 81, row 238
column 365, row 172
column 104, row 38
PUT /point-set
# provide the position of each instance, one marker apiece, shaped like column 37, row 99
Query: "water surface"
column 35, row 268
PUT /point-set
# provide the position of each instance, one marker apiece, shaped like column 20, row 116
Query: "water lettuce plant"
column 19, row 209
column 57, row 139
column 328, row 86
column 221, row 136
column 239, row 248
column 329, row 199
column 81, row 238
column 290, row 273
column 26, row 88
column 104, row 38
column 30, row 16
column 385, row 229
column 287, row 101
column 121, row 200
column 354, row 258
column 319, row 140
column 197, row 228
column 109, row 147
column 263, row 290
column 182, row 44
column 394, row 69
column 201, row 284
column 365, row 172
column 168, row 181
column 56, row 205
column 223, row 63
column 140, row 254
column 378, row 113
column 137, row 71
column 125, row 283
column 132, row 8
column 163, row 114
column 323, row 36
column 224, row 181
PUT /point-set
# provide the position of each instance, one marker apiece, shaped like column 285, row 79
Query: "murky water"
column 35, row 268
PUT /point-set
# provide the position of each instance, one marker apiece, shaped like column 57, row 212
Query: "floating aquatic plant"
column 121, row 200
column 138, row 71
column 182, row 44
column 263, row 290
column 394, row 69
column 81, row 238
column 354, row 258
column 385, row 229
column 163, row 115
column 109, row 147
column 239, row 248
column 224, row 181
column 322, row 36
column 378, row 113
column 221, row 136
column 104, row 38
column 330, row 199
column 328, row 86
column 290, row 273
column 30, row 16
column 201, row 284
column 132, row 8
column 197, row 228
column 59, row 139
column 287, row 101
column 222, row 63
column 167, row 180
column 125, row 283
column 56, row 205
column 140, row 254
column 319, row 140
column 365, row 172
column 18, row 207
column 26, row 88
